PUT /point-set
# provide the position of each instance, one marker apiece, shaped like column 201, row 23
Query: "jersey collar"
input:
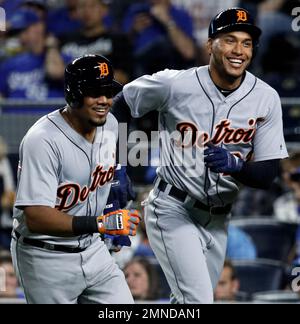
column 214, row 93
column 57, row 118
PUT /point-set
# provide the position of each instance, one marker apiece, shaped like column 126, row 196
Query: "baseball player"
column 64, row 177
column 237, row 120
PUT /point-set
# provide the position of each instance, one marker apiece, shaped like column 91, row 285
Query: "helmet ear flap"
column 72, row 95
column 75, row 104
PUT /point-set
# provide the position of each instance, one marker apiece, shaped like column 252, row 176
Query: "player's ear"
column 209, row 46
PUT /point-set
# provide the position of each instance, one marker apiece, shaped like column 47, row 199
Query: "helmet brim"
column 252, row 30
column 99, row 88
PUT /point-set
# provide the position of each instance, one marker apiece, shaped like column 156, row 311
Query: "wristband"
column 84, row 225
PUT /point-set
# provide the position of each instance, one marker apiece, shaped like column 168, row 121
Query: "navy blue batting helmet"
column 89, row 76
column 234, row 19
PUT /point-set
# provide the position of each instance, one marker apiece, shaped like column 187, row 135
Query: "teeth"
column 235, row 61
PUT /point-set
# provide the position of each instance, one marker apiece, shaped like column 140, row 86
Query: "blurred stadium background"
column 268, row 220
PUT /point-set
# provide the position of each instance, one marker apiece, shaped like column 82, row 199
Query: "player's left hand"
column 219, row 160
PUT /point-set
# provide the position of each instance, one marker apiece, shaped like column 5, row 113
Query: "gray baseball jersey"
column 59, row 168
column 248, row 122
column 190, row 242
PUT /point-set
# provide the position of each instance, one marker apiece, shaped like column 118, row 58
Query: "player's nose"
column 102, row 100
column 238, row 48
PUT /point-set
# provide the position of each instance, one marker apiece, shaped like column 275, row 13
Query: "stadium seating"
column 259, row 275
column 273, row 239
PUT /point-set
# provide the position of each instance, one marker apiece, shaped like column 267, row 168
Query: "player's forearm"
column 48, row 221
column 258, row 174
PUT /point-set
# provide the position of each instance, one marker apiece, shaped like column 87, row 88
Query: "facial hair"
column 97, row 124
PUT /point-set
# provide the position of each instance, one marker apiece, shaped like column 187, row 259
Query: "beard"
column 97, row 124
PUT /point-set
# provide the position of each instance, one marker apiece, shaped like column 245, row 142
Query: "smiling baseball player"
column 238, row 119
column 65, row 172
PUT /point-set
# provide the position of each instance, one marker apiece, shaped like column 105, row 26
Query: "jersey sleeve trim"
column 25, row 203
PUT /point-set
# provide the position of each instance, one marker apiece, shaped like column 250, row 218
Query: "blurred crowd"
column 138, row 36
column 142, row 37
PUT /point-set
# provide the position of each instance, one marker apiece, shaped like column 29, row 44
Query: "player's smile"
column 101, row 111
column 235, row 62
column 235, row 66
column 98, row 108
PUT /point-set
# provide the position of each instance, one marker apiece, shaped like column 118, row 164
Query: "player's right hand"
column 119, row 222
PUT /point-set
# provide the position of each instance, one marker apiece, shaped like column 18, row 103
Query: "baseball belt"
column 47, row 246
column 181, row 196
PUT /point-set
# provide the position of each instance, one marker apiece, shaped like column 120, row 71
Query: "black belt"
column 48, row 246
column 181, row 195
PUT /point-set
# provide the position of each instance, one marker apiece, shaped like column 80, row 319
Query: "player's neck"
column 87, row 132
column 224, row 81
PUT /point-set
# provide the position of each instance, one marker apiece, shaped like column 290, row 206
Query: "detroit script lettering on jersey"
column 224, row 133
column 70, row 193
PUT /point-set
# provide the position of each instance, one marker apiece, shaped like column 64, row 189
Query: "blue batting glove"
column 121, row 188
column 220, row 160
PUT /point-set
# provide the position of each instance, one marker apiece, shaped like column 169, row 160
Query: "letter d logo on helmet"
column 241, row 15
column 89, row 76
column 234, row 19
column 104, row 70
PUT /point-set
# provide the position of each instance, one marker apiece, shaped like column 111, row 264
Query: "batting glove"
column 119, row 222
column 121, row 188
column 115, row 243
column 219, row 160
